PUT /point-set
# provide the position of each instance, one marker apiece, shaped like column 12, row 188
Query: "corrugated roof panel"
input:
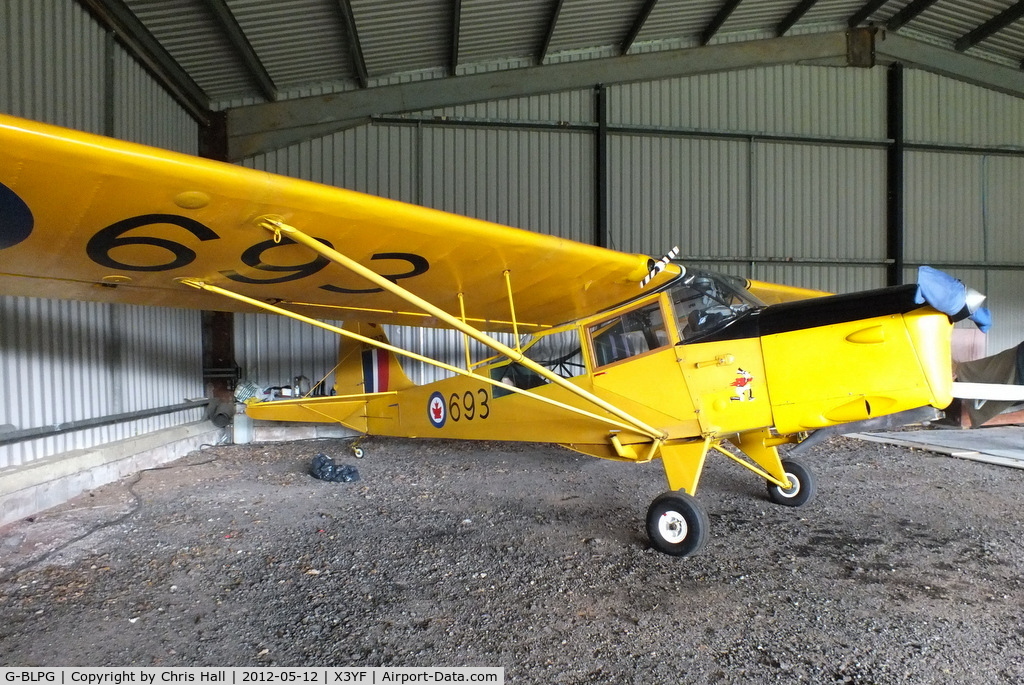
column 755, row 16
column 948, row 20
column 886, row 12
column 406, row 36
column 299, row 42
column 1008, row 43
column 594, row 23
column 189, row 32
column 678, row 19
column 490, row 31
column 831, row 12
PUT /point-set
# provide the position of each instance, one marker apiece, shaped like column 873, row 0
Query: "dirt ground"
column 906, row 568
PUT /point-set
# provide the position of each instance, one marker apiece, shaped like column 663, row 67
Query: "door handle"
column 720, row 360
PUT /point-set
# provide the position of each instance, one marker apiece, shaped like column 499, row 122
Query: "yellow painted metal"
column 727, row 385
column 117, row 222
column 396, row 350
column 465, row 338
column 683, row 462
column 859, row 369
column 931, row 335
column 384, row 315
column 499, row 347
column 760, row 447
column 751, row 467
column 776, row 293
column 631, row 453
column 347, row 410
column 511, row 308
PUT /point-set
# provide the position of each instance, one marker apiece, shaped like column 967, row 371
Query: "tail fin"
column 364, row 368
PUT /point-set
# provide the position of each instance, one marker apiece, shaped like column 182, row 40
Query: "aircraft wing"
column 92, row 218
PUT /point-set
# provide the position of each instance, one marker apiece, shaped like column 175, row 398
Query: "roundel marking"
column 15, row 218
column 437, row 412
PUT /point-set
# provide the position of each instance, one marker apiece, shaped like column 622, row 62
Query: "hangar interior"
column 828, row 144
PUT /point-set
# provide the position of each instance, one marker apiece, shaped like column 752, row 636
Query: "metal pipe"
column 83, row 424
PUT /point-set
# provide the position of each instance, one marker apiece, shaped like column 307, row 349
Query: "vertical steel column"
column 601, row 167
column 894, row 176
column 109, row 84
column 219, row 366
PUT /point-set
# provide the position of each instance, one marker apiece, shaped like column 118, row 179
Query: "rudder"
column 364, row 368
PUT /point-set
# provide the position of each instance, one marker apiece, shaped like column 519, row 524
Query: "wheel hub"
column 794, row 487
column 673, row 527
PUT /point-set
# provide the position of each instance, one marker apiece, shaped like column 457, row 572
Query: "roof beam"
column 456, row 21
column 891, row 47
column 261, row 128
column 990, row 27
column 556, row 10
column 638, row 25
column 355, row 49
column 716, row 22
column 794, row 16
column 115, row 16
column 864, row 12
column 243, row 48
column 908, row 13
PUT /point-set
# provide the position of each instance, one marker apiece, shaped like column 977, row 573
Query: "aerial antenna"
column 659, row 266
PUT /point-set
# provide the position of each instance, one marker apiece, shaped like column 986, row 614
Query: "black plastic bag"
column 324, row 468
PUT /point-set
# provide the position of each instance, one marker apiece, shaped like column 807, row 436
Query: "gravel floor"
column 905, row 569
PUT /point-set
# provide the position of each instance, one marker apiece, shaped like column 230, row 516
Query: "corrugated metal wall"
column 67, row 361
column 964, row 202
column 53, row 57
column 273, row 351
column 776, row 173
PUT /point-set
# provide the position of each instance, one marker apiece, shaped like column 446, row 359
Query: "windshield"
column 705, row 301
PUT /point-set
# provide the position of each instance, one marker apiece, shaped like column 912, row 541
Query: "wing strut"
column 202, row 285
column 277, row 226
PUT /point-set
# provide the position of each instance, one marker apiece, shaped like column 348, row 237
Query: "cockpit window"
column 629, row 334
column 558, row 352
column 704, row 302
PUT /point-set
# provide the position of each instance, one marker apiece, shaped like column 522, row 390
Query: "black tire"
column 677, row 524
column 804, row 486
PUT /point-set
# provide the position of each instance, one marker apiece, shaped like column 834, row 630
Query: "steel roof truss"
column 794, row 16
column 990, row 27
column 908, row 13
column 233, row 32
column 638, row 25
column 864, row 12
column 456, row 22
column 144, row 47
column 355, row 49
column 728, row 7
column 556, row 10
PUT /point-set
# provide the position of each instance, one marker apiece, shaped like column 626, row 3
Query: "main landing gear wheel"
column 804, row 486
column 677, row 524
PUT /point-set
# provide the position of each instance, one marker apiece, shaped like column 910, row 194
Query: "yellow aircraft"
column 613, row 355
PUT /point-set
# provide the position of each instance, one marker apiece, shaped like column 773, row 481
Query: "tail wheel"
column 677, row 524
column 803, row 486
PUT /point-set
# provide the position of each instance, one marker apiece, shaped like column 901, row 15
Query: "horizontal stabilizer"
column 349, row 411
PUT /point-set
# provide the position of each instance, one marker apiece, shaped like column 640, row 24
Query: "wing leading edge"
column 93, row 218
